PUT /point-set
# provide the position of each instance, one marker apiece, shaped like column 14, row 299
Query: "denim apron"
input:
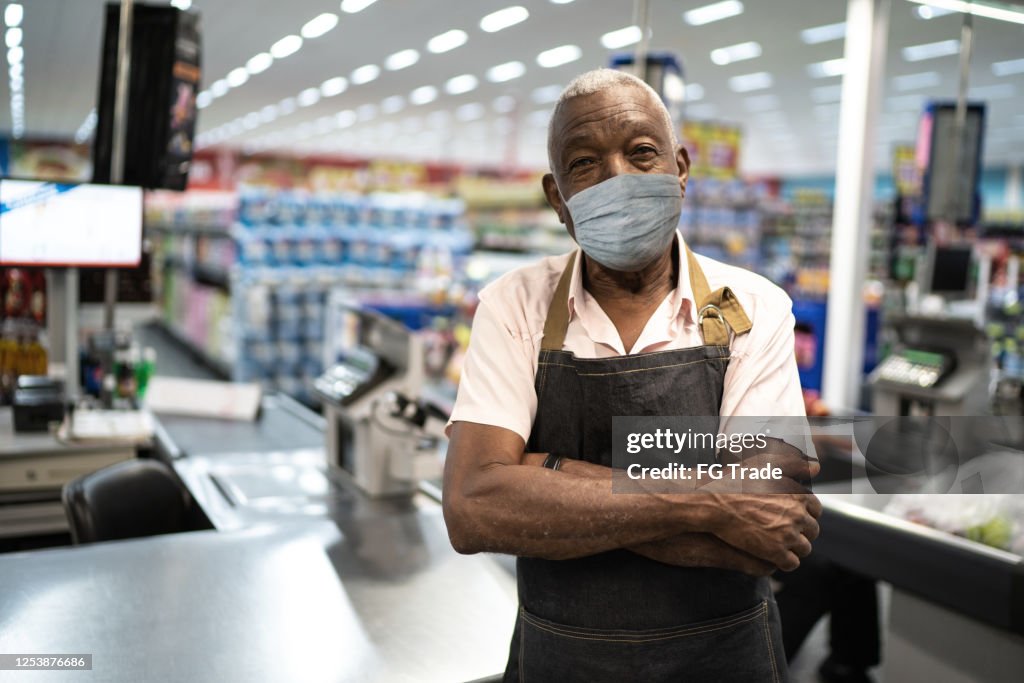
column 617, row 616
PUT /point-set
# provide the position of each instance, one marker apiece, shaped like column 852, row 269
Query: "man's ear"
column 683, row 159
column 553, row 196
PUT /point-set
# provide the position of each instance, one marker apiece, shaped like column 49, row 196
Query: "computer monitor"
column 949, row 270
column 56, row 224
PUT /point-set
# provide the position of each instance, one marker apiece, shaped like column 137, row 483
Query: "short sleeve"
column 496, row 387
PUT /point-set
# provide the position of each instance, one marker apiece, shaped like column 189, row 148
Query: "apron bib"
column 617, row 616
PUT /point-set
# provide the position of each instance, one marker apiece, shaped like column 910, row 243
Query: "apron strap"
column 718, row 312
column 557, row 322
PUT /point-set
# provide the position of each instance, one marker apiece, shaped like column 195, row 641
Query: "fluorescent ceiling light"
column 672, row 88
column 823, row 34
column 919, row 53
column 736, row 53
column 503, row 104
column 324, row 124
column 503, row 18
column 927, row 79
column 423, row 95
column 505, row 72
column 353, row 6
column 268, row 113
column 694, row 92
column 308, row 97
column 469, row 112
column 761, row 103
column 714, row 12
column 366, row 112
column 827, row 69
column 827, row 93
column 183, row 5
column 613, row 40
column 461, row 84
column 287, row 106
column 13, row 14
column 219, row 88
column 401, row 59
column 749, row 82
column 237, row 77
column 1008, row 68
column 992, row 92
column 449, row 40
column 203, row 99
column 251, row 120
column 288, row 45
column 364, row 74
column 557, row 56
column 344, row 119
column 978, row 9
column 560, row 2
column 546, row 94
column 259, row 63
column 929, row 12
column 439, row 118
column 319, row 25
column 13, row 37
column 334, row 86
column 15, row 55
column 393, row 104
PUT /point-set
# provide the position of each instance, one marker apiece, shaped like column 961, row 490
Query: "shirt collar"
column 681, row 298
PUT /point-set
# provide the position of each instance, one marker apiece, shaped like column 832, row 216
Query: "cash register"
column 938, row 366
column 379, row 431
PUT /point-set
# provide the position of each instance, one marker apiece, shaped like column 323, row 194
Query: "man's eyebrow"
column 633, row 126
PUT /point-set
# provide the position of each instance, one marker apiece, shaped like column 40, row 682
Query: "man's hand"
column 774, row 527
column 773, row 520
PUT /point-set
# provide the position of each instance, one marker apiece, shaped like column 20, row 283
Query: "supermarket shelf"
column 212, row 230
column 211, row 276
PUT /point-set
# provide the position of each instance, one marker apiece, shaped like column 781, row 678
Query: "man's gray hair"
column 595, row 81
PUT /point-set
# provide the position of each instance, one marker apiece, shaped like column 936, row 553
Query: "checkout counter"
column 304, row 576
column 312, row 572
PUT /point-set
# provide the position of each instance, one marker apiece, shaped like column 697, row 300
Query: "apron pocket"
column 740, row 648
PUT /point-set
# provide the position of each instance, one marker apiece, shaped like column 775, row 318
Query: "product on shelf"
column 247, row 284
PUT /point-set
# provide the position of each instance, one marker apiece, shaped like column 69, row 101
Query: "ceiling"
column 790, row 128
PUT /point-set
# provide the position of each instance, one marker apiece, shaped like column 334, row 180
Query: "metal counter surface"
column 258, row 604
column 424, row 612
column 973, row 579
column 282, row 425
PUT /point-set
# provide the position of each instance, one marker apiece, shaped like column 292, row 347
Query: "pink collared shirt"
column 497, row 387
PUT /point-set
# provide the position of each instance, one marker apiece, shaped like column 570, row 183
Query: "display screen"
column 951, row 270
column 54, row 224
column 951, row 169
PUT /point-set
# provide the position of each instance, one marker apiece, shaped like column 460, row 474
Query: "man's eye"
column 580, row 163
column 645, row 150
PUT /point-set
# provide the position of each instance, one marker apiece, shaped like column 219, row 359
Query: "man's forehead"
column 606, row 104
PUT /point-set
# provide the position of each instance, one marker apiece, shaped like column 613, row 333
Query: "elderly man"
column 617, row 586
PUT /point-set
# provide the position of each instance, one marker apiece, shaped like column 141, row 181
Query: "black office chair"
column 127, row 500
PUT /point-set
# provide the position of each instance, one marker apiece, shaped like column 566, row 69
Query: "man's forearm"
column 531, row 511
column 697, row 549
column 690, row 549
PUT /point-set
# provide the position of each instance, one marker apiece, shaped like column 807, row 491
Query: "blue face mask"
column 627, row 221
